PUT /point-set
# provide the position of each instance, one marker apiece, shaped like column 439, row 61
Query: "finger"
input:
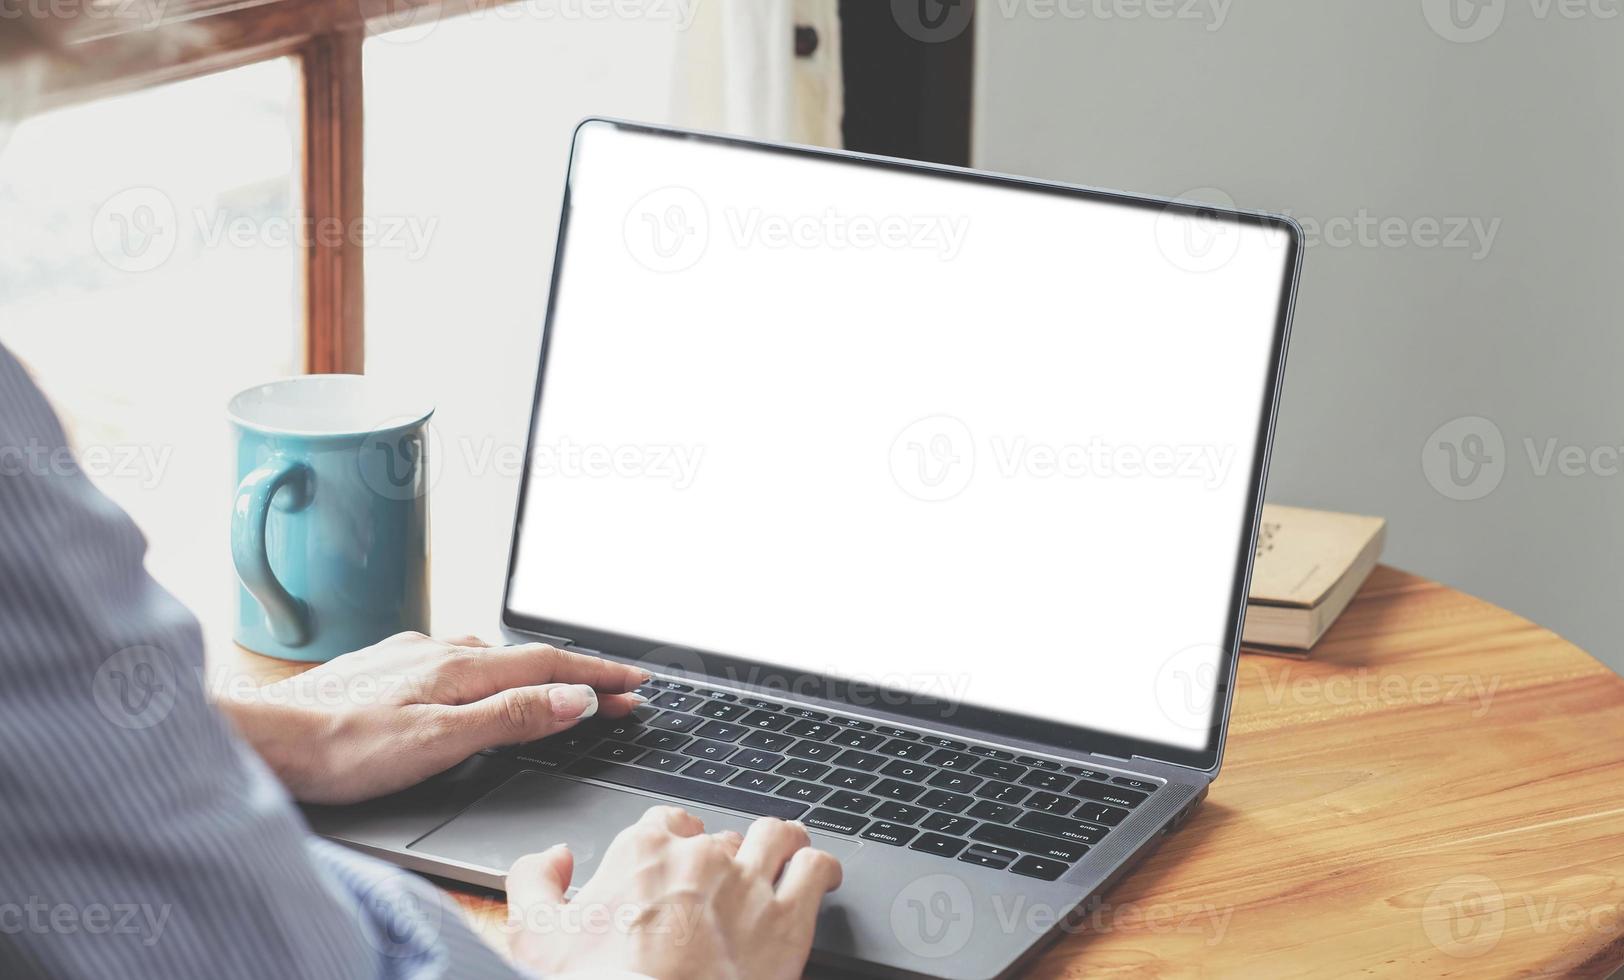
column 520, row 714
column 495, row 669
column 540, row 879
column 768, row 844
column 619, row 705
column 673, row 819
column 809, row 875
column 730, row 840
column 465, row 640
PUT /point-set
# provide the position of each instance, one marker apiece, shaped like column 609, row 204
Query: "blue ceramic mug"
column 329, row 528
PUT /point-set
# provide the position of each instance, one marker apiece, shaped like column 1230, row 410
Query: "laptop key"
column 1114, row 795
column 624, row 729
column 1003, row 792
column 890, row 732
column 999, row 770
column 1099, row 774
column 939, row 844
column 853, row 723
column 889, row 833
column 545, row 758
column 1050, row 803
column 573, row 741
column 722, row 711
column 899, row 813
column 1025, row 840
column 1139, row 785
column 958, row 782
column 1035, row 867
column 670, row 685
column 860, row 760
column 849, row 778
column 663, row 740
column 941, row 743
column 947, row 759
column 717, row 695
column 905, row 750
column 704, row 748
column 1071, row 830
column 986, row 856
column 941, row 799
column 1051, row 781
column 992, row 753
column 771, row 741
column 671, row 784
column 947, row 823
column 756, row 759
column 675, row 702
column 801, row 769
column 805, row 792
column 666, row 761
column 763, row 705
column 859, row 740
column 833, row 820
column 1030, row 760
column 898, row 791
column 720, row 730
column 1099, row 813
column 712, row 772
column 853, row 802
column 907, row 770
column 815, row 730
column 616, row 751
column 672, row 721
column 996, row 812
column 807, row 713
column 814, row 750
column 761, row 782
column 766, row 720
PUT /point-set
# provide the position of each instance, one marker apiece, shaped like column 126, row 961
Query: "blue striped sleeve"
column 138, row 836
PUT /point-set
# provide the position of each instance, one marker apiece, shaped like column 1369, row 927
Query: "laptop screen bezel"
column 1060, row 736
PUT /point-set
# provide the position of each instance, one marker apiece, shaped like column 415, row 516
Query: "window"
column 184, row 222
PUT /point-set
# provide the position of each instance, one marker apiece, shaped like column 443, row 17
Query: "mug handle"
column 286, row 616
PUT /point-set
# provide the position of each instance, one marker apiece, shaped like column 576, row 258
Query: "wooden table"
column 1438, row 791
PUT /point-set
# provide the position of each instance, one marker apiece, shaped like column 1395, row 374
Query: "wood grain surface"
column 1438, row 791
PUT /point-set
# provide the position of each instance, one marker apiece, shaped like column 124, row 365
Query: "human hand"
column 679, row 904
column 389, row 716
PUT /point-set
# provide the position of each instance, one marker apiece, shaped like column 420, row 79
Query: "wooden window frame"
column 193, row 38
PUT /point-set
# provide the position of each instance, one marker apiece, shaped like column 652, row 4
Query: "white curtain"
column 737, row 71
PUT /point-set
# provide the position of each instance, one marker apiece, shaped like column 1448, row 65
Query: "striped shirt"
column 139, row 837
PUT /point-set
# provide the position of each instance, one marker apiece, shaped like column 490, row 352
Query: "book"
column 1307, row 567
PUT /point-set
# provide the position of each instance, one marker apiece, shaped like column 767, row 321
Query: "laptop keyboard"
column 970, row 803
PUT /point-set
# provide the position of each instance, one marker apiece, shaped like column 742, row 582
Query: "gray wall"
column 1342, row 110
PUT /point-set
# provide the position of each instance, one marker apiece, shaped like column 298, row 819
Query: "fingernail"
column 647, row 677
column 573, row 702
column 637, row 698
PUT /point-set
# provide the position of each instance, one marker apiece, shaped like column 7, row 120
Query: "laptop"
column 928, row 495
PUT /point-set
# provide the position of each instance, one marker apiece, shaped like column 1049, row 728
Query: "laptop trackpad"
column 533, row 811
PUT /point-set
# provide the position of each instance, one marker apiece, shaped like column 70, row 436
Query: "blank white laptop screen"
column 965, row 438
